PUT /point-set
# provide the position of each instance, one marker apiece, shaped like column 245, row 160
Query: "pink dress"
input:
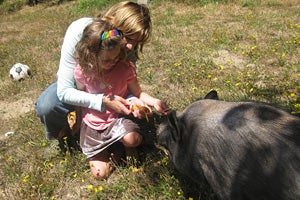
column 106, row 127
column 116, row 83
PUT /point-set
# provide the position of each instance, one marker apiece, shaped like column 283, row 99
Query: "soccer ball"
column 19, row 72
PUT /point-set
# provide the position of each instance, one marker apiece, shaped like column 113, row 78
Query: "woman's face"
column 131, row 41
column 109, row 58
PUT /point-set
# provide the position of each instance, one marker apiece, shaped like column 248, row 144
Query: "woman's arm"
column 66, row 88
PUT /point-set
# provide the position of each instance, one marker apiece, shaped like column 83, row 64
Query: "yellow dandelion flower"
column 25, row 179
column 148, row 71
column 179, row 193
column 100, row 188
column 44, row 144
column 177, row 64
column 292, row 95
column 50, row 164
column 82, row 180
column 251, row 90
column 90, row 187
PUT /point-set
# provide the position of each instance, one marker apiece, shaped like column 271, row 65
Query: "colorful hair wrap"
column 110, row 33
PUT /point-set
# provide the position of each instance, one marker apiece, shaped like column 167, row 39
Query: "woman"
column 61, row 97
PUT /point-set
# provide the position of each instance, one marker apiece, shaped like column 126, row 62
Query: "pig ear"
column 173, row 122
column 212, row 95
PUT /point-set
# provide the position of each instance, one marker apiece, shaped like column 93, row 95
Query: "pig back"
column 246, row 150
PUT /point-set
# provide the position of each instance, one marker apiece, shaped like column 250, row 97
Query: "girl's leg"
column 52, row 112
column 101, row 165
column 130, row 141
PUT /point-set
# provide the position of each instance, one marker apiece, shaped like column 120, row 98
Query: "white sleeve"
column 66, row 89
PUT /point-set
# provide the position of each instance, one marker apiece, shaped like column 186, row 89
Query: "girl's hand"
column 161, row 107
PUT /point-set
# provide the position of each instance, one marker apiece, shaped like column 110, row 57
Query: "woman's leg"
column 52, row 112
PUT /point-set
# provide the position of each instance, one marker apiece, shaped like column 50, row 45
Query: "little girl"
column 103, row 68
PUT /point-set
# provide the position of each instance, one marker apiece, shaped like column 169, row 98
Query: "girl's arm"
column 159, row 105
column 80, row 86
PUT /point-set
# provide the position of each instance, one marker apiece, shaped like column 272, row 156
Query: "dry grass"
column 244, row 49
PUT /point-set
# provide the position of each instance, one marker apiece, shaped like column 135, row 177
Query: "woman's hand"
column 117, row 103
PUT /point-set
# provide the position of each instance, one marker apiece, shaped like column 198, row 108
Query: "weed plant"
column 243, row 49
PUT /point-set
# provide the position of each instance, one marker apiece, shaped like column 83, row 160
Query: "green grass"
column 243, row 49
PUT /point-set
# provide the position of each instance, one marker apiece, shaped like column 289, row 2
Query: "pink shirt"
column 116, row 81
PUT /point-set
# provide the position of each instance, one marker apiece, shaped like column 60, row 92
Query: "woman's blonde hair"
column 131, row 18
column 88, row 49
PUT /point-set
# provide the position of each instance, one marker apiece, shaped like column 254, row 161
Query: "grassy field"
column 244, row 49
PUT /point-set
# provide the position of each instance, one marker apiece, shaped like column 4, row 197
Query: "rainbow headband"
column 108, row 34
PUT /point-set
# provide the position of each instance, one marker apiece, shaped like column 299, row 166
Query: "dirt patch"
column 227, row 58
column 11, row 110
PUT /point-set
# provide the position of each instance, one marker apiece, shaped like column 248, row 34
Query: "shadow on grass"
column 273, row 95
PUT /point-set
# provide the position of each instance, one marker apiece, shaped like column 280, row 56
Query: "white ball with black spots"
column 19, row 72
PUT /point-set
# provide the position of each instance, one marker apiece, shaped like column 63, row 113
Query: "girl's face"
column 131, row 41
column 109, row 58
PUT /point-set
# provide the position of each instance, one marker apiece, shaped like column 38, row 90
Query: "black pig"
column 245, row 150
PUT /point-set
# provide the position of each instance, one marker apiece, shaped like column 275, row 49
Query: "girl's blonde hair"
column 131, row 18
column 88, row 49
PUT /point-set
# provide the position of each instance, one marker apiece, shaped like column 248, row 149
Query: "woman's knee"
column 132, row 139
column 47, row 101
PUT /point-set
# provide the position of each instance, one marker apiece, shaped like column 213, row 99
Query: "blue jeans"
column 52, row 112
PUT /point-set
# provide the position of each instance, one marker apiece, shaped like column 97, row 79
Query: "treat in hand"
column 143, row 109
